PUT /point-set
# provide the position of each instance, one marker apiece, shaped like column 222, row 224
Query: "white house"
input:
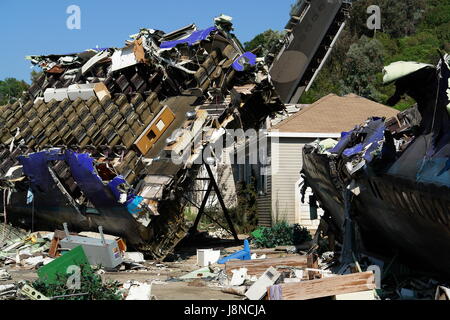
column 279, row 190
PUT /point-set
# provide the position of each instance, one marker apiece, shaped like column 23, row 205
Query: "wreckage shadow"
column 187, row 247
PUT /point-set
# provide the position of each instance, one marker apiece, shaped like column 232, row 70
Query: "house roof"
column 334, row 114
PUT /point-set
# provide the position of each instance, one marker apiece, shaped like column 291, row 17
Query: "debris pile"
column 281, row 273
column 23, row 248
column 99, row 131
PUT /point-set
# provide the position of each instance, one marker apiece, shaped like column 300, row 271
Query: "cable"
column 436, row 100
column 4, row 205
column 32, row 215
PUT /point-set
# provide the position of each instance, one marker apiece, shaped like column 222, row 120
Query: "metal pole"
column 222, row 203
column 202, row 207
column 325, row 58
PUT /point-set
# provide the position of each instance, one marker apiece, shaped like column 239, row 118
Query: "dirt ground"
column 166, row 285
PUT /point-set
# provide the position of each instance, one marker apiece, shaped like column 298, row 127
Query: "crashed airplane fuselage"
column 93, row 141
column 395, row 174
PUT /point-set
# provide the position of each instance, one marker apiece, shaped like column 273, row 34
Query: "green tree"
column 11, row 89
column 265, row 41
column 35, row 75
column 412, row 30
column 363, row 63
column 398, row 18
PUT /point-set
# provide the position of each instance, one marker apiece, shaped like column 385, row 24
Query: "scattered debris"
column 8, row 291
column 259, row 289
column 240, row 291
column 136, row 257
column 326, row 287
column 38, row 260
column 99, row 251
column 138, row 291
column 258, row 267
column 200, row 273
column 243, row 254
column 4, row 275
column 31, row 293
column 96, row 136
column 239, row 277
column 205, row 257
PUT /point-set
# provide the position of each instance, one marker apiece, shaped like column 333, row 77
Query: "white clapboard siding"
column 287, row 164
column 264, row 201
column 264, row 204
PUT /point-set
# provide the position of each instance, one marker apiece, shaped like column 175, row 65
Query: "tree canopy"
column 411, row 30
column 265, row 41
column 11, row 89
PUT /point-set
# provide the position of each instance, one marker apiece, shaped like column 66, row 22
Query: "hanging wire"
column 32, row 215
column 436, row 100
column 4, row 215
column 4, row 205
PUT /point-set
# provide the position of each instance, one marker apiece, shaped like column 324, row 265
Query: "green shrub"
column 90, row 283
column 282, row 234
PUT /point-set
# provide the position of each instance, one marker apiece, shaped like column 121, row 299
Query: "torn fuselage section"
column 65, row 186
column 397, row 171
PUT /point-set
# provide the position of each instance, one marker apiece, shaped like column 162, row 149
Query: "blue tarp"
column 82, row 170
column 342, row 144
column 247, row 57
column 192, row 39
column 35, row 167
column 374, row 133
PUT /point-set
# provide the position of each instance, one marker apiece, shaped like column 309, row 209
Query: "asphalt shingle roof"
column 334, row 114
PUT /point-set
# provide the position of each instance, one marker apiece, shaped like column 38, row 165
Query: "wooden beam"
column 258, row 267
column 328, row 287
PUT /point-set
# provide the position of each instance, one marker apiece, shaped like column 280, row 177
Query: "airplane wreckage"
column 387, row 183
column 91, row 143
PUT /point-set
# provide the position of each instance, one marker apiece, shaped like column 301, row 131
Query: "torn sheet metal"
column 400, row 69
column 123, row 58
column 99, row 57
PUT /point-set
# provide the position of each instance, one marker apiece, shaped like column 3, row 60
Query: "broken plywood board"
column 357, row 296
column 259, row 289
column 327, row 287
column 257, row 267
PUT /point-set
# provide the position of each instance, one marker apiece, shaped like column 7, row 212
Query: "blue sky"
column 39, row 27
